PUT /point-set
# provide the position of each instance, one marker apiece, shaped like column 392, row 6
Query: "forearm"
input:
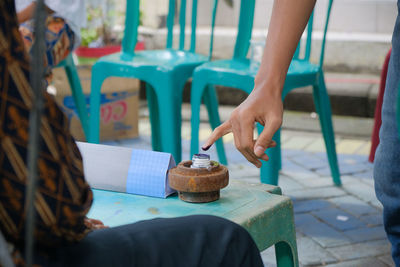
column 288, row 20
column 27, row 13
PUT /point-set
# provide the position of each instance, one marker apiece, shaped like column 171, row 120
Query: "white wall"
column 366, row 16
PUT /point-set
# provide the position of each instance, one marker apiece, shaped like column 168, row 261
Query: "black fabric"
column 191, row 241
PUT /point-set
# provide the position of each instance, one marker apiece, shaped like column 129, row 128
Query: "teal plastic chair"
column 77, row 93
column 239, row 72
column 165, row 73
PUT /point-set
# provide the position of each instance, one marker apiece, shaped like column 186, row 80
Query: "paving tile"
column 311, row 253
column 373, row 219
column 297, row 142
column 309, row 161
column 292, row 166
column 325, row 171
column 361, row 250
column 349, row 179
column 338, row 219
column 387, row 259
column 365, row 262
column 186, row 133
column 376, row 204
column 369, row 182
column 235, row 156
column 247, row 171
column 318, row 145
column 353, row 168
column 204, row 133
column 348, row 146
column 298, row 173
column 288, row 184
column 317, row 182
column 285, row 136
column 345, row 169
column 268, row 257
column 361, row 191
column 310, row 205
column 368, row 174
column 228, row 138
column 235, row 166
column 366, row 234
column 353, row 205
column 320, row 232
column 365, row 149
column 321, row 192
column 251, row 180
column 292, row 153
column 353, row 159
column 144, row 126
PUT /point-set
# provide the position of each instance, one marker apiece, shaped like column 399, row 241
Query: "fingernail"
column 206, row 148
column 259, row 150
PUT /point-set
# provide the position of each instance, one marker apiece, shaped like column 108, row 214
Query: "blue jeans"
column 387, row 157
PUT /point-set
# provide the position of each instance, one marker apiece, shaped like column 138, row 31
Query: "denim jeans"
column 387, row 157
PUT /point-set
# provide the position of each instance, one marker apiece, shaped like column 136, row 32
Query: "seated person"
column 64, row 236
column 63, row 23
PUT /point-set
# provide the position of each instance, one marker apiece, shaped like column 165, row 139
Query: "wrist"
column 269, row 86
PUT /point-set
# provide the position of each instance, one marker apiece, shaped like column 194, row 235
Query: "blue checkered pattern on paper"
column 147, row 173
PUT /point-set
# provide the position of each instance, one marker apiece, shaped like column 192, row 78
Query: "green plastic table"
column 260, row 208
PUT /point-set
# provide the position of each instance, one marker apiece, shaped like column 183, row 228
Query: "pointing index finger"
column 218, row 132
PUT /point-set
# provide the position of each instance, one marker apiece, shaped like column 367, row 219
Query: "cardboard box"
column 119, row 106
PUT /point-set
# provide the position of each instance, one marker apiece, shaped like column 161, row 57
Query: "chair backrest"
column 132, row 24
column 245, row 28
column 309, row 30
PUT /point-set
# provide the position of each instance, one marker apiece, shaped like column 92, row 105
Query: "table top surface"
column 238, row 201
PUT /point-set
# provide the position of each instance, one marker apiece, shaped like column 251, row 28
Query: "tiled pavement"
column 336, row 226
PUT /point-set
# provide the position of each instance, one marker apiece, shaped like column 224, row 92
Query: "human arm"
column 264, row 104
column 27, row 13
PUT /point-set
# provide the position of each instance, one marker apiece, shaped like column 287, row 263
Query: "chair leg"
column 323, row 107
column 286, row 250
column 197, row 90
column 154, row 118
column 77, row 93
column 269, row 173
column 170, row 117
column 284, row 255
column 98, row 77
column 211, row 101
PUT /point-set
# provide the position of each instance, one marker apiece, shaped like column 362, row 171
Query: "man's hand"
column 262, row 107
column 94, row 224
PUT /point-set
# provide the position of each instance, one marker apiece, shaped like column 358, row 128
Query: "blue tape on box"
column 147, row 174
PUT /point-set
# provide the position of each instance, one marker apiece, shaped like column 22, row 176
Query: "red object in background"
column 96, row 52
column 378, row 109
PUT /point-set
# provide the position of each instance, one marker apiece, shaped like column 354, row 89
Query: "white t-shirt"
column 73, row 11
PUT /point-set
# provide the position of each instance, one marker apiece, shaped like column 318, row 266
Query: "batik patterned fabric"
column 59, row 39
column 63, row 197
